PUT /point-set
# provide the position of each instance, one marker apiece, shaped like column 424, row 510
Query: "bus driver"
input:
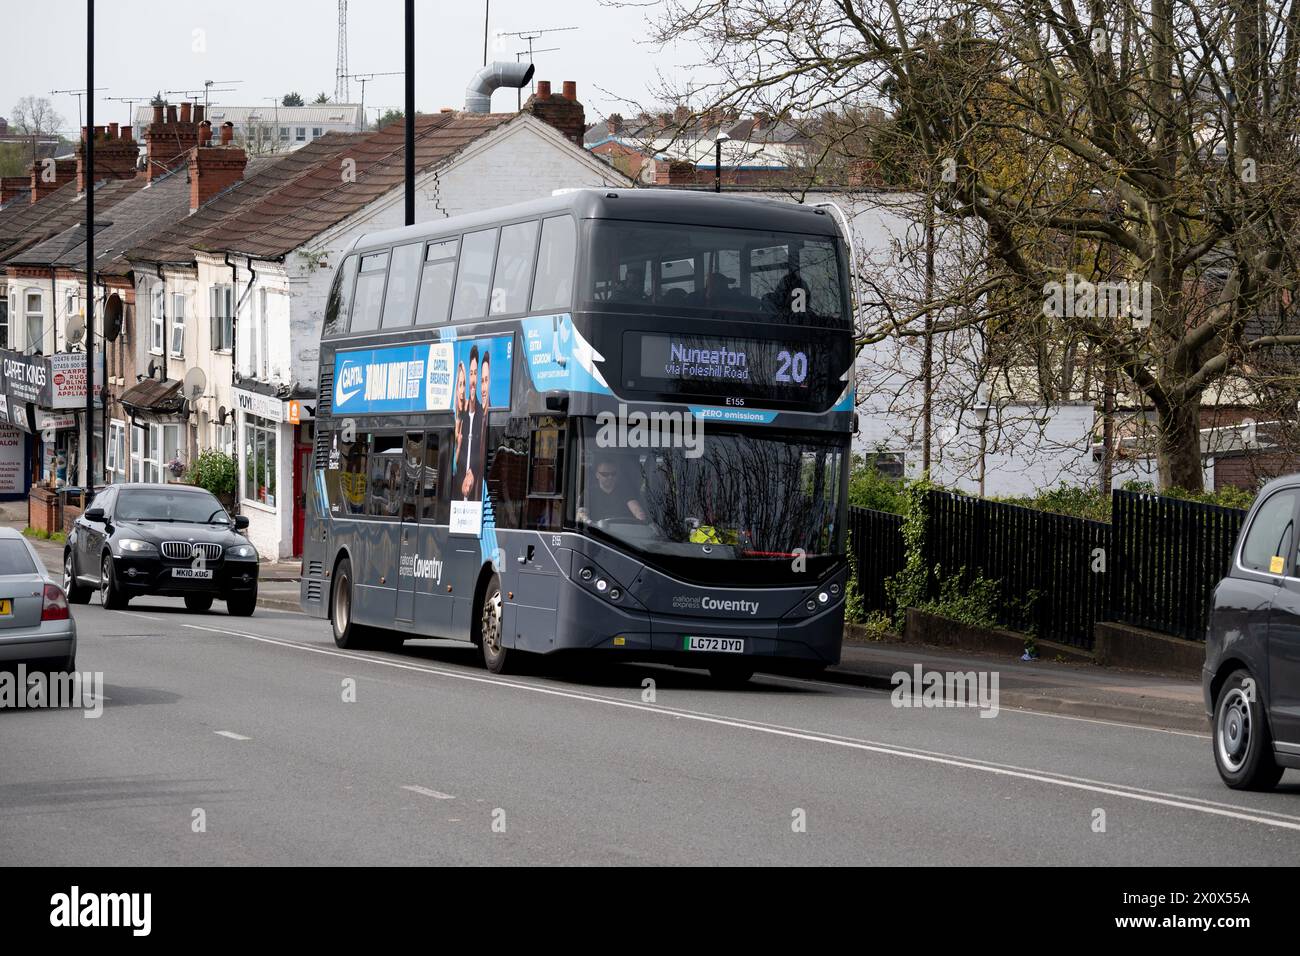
column 611, row 497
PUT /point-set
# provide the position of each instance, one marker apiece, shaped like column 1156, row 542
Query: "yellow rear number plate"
column 6, row 606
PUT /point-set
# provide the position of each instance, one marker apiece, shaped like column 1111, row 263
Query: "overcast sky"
column 146, row 45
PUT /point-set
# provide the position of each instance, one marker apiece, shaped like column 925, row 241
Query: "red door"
column 301, row 471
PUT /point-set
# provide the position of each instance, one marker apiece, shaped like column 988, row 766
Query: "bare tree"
column 1122, row 146
column 34, row 116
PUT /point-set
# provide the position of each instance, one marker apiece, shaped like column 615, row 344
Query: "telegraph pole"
column 88, row 491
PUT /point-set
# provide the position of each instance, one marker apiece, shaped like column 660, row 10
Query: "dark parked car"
column 1252, row 648
column 173, row 540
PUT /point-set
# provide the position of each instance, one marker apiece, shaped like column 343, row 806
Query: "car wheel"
column 348, row 634
column 1243, row 747
column 198, row 602
column 110, row 596
column 731, row 675
column 77, row 593
column 495, row 654
column 241, row 605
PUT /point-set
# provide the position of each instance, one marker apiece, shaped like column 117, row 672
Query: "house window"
column 115, row 455
column 315, row 131
column 35, row 322
column 156, row 332
column 221, row 316
column 177, row 346
column 152, row 448
column 300, row 134
column 284, row 134
column 4, row 323
column 259, row 460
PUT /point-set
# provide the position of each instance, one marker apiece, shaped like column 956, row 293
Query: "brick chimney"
column 64, row 172
column 11, row 186
column 564, row 112
column 116, row 154
column 214, row 169
column 614, row 124
column 170, row 139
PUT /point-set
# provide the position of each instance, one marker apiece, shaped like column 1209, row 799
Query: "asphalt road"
column 438, row 762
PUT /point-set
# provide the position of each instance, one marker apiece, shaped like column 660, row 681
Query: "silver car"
column 36, row 625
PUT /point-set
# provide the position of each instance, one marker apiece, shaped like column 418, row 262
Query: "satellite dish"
column 195, row 382
column 113, row 317
column 222, row 414
column 75, row 330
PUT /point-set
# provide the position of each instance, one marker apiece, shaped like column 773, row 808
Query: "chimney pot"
column 543, row 89
column 127, row 134
column 185, row 112
column 171, row 115
column 158, row 113
column 570, row 90
column 85, row 131
column 199, row 110
column 205, row 133
column 112, row 130
column 227, row 132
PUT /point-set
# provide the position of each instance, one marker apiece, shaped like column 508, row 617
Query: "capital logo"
column 352, row 379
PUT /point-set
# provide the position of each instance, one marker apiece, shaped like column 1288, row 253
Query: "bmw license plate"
column 193, row 574
column 725, row 645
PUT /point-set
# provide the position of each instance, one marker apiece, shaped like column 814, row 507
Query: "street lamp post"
column 717, row 161
column 981, row 410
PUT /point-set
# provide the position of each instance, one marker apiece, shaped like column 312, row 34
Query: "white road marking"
column 1106, row 788
column 426, row 792
column 231, row 734
column 1023, row 711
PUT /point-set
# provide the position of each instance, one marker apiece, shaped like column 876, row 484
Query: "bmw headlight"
column 135, row 545
column 241, row 551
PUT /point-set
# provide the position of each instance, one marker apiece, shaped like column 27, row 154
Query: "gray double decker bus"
column 607, row 420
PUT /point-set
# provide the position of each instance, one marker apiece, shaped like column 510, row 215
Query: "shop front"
column 42, row 432
column 271, row 430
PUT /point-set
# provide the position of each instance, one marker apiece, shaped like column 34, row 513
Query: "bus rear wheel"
column 489, row 628
column 348, row 634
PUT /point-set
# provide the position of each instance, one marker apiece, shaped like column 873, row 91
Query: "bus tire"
column 489, row 634
column 348, row 634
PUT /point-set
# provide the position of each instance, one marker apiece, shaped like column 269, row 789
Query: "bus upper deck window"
column 435, row 282
column 339, row 306
column 553, row 284
column 369, row 297
column 514, row 270
column 399, row 300
column 476, row 254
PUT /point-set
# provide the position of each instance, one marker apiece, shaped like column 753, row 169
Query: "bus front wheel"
column 489, row 628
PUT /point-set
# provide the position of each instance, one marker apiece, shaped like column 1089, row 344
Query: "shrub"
column 214, row 471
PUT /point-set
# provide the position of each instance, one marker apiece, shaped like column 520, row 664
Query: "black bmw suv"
column 172, row 540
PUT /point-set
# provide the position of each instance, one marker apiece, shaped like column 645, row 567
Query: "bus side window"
column 384, row 497
column 545, row 474
column 429, row 471
column 352, row 475
column 370, row 292
column 435, row 282
column 339, row 305
column 477, row 251
column 553, row 285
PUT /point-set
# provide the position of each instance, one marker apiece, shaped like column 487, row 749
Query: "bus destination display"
column 782, row 371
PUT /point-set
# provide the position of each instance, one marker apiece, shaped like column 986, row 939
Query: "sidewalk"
column 1076, row 690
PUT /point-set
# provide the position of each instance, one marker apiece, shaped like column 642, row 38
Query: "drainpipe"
column 162, row 282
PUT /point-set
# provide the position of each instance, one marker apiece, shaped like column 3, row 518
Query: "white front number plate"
column 192, row 573
column 726, row 645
